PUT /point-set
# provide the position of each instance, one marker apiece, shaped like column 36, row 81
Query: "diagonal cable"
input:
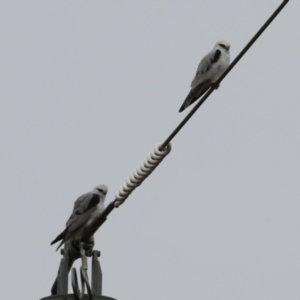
column 165, row 147
column 232, row 65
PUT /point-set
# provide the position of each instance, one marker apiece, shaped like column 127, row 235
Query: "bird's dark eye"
column 100, row 190
column 223, row 46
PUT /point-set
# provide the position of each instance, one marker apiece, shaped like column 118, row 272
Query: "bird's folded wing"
column 204, row 66
column 84, row 206
column 78, row 220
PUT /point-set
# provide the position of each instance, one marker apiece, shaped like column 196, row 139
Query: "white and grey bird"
column 211, row 67
column 86, row 208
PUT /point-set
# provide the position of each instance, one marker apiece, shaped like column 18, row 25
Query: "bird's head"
column 100, row 190
column 223, row 45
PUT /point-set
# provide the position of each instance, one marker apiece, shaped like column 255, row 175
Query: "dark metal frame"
column 60, row 286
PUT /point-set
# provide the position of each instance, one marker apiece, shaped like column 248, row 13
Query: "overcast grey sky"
column 89, row 87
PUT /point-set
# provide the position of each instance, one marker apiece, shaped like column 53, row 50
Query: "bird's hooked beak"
column 224, row 46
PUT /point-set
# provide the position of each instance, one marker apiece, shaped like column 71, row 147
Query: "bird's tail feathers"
column 190, row 98
column 60, row 244
column 195, row 94
column 61, row 236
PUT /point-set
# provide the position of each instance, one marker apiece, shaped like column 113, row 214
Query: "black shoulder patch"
column 93, row 202
column 216, row 56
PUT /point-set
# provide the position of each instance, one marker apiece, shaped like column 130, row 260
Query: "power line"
column 217, row 83
column 132, row 182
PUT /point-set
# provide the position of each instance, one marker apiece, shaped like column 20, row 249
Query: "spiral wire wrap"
column 141, row 172
column 159, row 152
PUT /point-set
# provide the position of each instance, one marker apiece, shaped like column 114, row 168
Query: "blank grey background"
column 89, row 87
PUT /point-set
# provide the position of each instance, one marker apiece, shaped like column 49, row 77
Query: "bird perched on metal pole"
column 211, row 67
column 86, row 209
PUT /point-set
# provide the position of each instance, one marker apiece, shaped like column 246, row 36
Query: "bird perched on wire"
column 211, row 67
column 87, row 208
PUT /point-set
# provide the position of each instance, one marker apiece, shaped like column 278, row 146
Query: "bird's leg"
column 83, row 257
column 214, row 84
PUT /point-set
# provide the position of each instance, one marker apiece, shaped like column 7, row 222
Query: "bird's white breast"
column 219, row 67
column 223, row 63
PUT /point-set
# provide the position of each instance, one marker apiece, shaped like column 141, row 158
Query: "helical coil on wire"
column 141, row 172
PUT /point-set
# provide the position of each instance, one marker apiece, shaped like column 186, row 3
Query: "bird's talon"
column 215, row 85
